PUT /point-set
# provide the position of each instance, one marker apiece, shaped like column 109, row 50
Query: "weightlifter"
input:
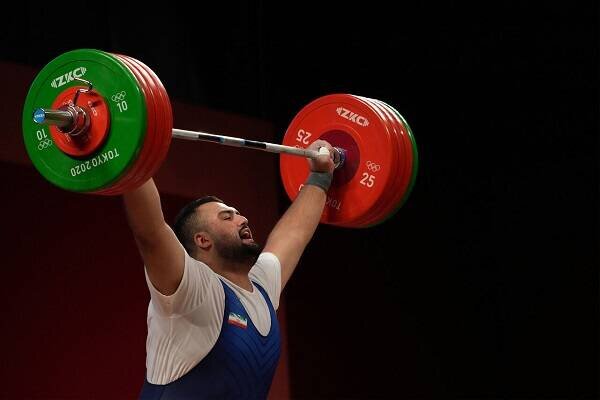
column 212, row 326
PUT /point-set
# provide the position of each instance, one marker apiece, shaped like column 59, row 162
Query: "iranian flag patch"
column 238, row 320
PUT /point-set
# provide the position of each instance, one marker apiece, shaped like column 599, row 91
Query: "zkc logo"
column 349, row 115
column 68, row 77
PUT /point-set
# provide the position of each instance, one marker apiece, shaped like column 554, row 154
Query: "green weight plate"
column 126, row 103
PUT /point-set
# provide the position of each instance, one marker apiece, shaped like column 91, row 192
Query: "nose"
column 243, row 220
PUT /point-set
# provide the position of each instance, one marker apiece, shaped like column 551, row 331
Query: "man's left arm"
column 295, row 228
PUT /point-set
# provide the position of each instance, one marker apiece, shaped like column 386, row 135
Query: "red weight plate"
column 165, row 135
column 97, row 111
column 404, row 168
column 127, row 181
column 411, row 160
column 371, row 168
column 342, row 119
column 151, row 162
column 395, row 166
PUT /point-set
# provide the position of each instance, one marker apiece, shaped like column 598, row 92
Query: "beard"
column 238, row 252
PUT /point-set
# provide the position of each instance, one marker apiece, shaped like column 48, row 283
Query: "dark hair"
column 186, row 224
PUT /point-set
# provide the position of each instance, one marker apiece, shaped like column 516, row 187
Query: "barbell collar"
column 70, row 119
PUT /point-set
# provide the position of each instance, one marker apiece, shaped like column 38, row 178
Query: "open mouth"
column 246, row 233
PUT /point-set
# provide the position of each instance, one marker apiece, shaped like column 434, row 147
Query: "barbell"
column 101, row 123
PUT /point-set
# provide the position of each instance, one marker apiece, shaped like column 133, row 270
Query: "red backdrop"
column 74, row 295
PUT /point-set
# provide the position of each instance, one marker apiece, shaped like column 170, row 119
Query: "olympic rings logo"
column 372, row 166
column 118, row 96
column 43, row 144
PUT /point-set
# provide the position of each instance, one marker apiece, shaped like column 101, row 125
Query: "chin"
column 253, row 248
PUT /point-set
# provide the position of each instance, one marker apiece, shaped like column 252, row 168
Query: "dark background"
column 484, row 285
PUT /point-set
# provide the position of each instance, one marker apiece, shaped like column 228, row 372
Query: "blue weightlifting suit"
column 241, row 363
column 240, row 366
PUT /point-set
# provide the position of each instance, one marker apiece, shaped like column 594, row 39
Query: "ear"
column 203, row 240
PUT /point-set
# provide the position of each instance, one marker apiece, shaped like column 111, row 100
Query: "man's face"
column 230, row 232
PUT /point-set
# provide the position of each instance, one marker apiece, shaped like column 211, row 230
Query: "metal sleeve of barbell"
column 237, row 142
column 60, row 118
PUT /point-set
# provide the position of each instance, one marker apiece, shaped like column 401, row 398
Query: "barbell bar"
column 110, row 137
column 66, row 119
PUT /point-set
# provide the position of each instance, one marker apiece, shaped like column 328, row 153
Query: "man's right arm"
column 163, row 254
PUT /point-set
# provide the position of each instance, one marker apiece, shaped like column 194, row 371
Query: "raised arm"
column 298, row 224
column 161, row 251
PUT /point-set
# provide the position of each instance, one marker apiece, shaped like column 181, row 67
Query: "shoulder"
column 266, row 272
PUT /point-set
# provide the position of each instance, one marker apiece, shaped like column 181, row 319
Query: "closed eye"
column 226, row 214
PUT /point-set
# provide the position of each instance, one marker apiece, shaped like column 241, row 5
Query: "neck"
column 235, row 272
column 239, row 278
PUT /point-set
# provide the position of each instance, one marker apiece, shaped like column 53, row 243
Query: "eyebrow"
column 228, row 211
